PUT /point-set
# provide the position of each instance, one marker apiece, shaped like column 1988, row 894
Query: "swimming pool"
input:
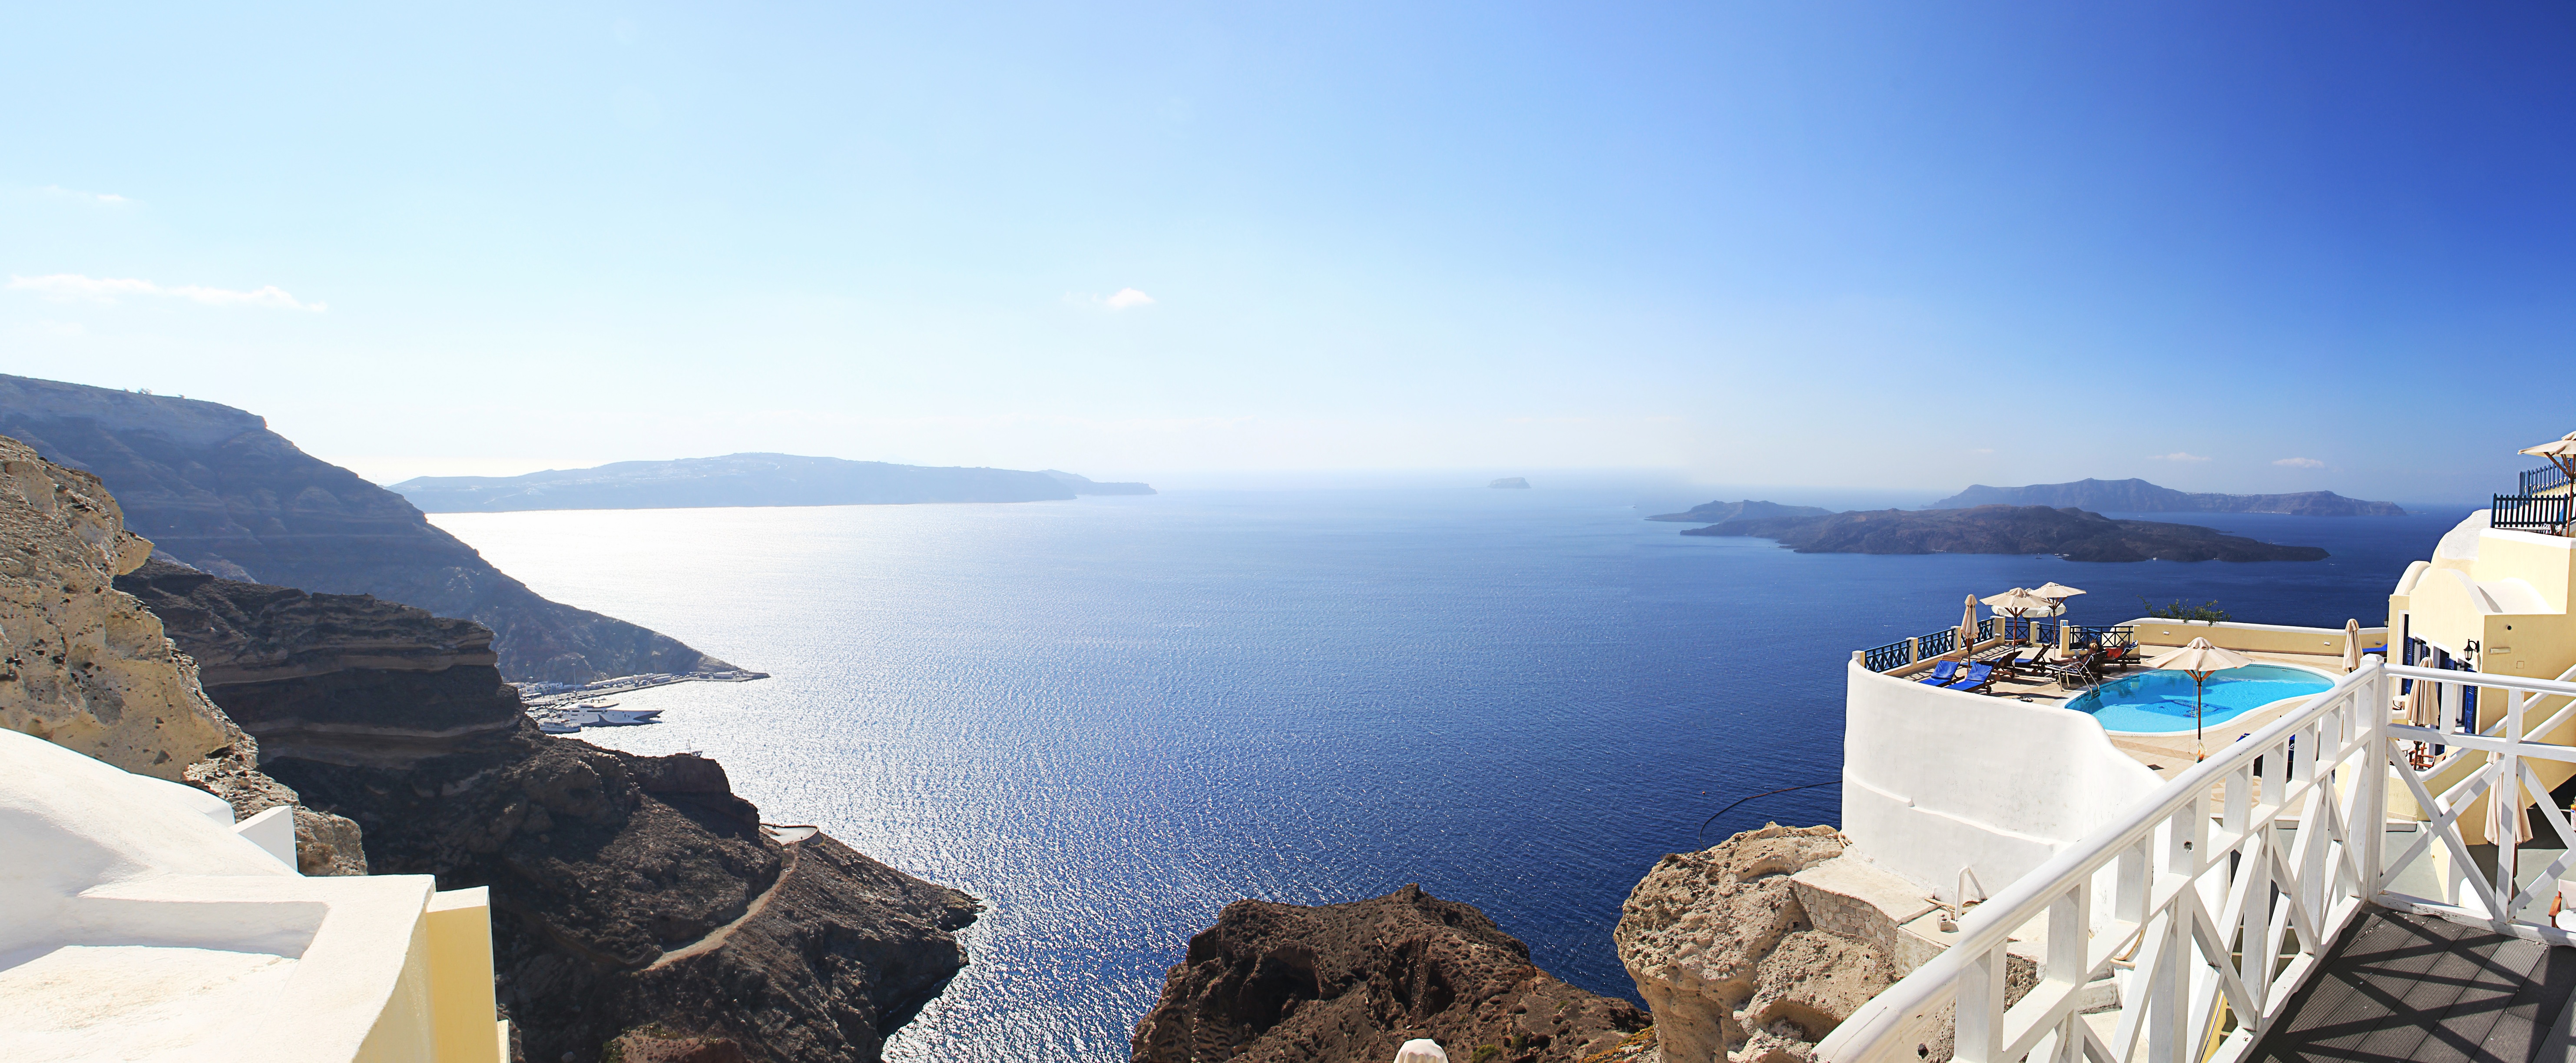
column 2159, row 701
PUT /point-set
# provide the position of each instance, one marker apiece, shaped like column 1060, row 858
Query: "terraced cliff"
column 213, row 488
column 630, row 892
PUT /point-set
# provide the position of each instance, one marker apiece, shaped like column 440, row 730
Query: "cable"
column 1703, row 826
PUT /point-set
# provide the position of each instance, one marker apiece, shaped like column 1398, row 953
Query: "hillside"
column 212, row 487
column 2070, row 533
column 1721, row 512
column 2139, row 496
column 746, row 480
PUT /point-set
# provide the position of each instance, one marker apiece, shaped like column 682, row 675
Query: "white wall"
column 1936, row 779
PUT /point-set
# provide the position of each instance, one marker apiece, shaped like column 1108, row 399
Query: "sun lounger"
column 1980, row 676
column 1942, row 674
column 2077, row 672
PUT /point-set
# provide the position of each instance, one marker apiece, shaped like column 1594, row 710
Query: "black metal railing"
column 2529, row 512
column 1985, row 629
column 2544, row 478
column 1890, row 657
column 2106, row 637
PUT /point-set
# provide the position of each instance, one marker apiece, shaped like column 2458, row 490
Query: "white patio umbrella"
column 1968, row 628
column 2199, row 660
column 2505, row 818
column 2057, row 594
column 2423, row 705
column 2352, row 645
column 2018, row 601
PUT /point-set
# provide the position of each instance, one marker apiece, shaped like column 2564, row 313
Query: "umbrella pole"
column 2199, row 752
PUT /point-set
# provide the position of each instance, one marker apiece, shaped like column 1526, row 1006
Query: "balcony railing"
column 2220, row 920
column 2530, row 512
column 2543, row 480
column 1925, row 647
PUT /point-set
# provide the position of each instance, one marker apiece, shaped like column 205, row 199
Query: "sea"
column 1108, row 718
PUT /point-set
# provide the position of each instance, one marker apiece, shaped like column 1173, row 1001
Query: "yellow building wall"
column 459, row 926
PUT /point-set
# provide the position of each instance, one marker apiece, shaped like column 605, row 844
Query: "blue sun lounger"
column 1942, row 674
column 1979, row 675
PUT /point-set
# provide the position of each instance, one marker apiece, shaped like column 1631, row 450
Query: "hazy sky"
column 1768, row 243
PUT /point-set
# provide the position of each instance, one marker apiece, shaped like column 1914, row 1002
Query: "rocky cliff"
column 212, row 487
column 87, row 667
column 1283, row 982
column 746, row 480
column 629, row 892
column 2069, row 533
column 1730, row 962
column 2139, row 496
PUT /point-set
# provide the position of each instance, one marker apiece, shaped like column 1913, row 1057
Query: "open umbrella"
column 2561, row 452
column 2352, row 645
column 2018, row 601
column 2055, row 591
column 2199, row 659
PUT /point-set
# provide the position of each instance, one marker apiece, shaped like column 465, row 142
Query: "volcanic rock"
column 87, row 667
column 1729, row 961
column 2139, row 496
column 630, row 891
column 1283, row 982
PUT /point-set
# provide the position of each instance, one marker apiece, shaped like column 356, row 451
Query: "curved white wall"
column 1936, row 779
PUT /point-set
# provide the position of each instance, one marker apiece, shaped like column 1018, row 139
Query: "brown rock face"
column 639, row 890
column 1727, row 958
column 86, row 666
column 628, row 891
column 341, row 678
column 214, row 488
column 1282, row 982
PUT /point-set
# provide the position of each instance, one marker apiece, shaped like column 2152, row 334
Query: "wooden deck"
column 2402, row 987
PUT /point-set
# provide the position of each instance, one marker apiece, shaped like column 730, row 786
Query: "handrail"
column 1866, row 1034
column 2223, row 918
column 2531, row 512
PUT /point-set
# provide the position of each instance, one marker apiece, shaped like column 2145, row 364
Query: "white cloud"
column 2177, row 456
column 1127, row 297
column 108, row 198
column 66, row 287
column 2301, row 463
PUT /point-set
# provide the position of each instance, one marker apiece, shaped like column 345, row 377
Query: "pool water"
column 2160, row 702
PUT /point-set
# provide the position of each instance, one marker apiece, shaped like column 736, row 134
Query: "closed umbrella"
column 1968, row 628
column 2199, row 659
column 2505, row 818
column 2352, row 645
column 2423, row 705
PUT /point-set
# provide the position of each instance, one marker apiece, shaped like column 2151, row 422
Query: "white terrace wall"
column 1934, row 780
column 2253, row 638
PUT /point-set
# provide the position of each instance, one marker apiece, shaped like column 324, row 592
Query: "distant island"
column 2070, row 533
column 1717, row 512
column 746, row 480
column 1510, row 481
column 2139, row 496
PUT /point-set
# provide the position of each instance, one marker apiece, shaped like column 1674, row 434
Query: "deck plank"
column 2398, row 986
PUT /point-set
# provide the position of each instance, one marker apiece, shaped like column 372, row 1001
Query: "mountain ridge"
column 2135, row 495
column 746, row 479
column 2070, row 533
column 215, row 489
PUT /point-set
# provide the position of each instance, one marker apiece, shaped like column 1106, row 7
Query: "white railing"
column 2215, row 921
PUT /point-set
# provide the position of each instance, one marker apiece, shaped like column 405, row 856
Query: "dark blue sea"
column 1110, row 717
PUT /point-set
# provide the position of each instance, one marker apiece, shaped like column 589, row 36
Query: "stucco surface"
column 1937, row 780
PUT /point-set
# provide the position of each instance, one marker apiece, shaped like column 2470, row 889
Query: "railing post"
column 2370, row 810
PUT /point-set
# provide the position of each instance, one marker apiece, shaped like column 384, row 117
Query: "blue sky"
column 1880, row 246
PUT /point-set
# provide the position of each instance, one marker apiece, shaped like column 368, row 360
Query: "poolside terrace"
column 2318, row 649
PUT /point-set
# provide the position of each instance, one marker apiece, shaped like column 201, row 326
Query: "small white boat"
column 588, row 716
column 558, row 727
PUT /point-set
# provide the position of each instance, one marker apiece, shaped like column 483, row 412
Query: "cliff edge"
column 212, row 487
column 628, row 892
column 87, row 667
column 1272, row 983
